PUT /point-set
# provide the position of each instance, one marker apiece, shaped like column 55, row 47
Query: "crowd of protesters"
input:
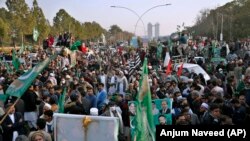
column 101, row 84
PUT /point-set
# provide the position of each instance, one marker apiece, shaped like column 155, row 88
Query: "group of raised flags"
column 168, row 63
column 145, row 128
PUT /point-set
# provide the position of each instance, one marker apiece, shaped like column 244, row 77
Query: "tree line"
column 18, row 21
column 231, row 19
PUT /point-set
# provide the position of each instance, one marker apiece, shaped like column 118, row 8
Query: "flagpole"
column 6, row 114
column 22, row 42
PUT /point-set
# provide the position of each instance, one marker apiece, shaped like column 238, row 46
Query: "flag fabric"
column 9, row 70
column 159, row 51
column 3, row 97
column 15, row 61
column 170, row 45
column 76, row 45
column 20, row 85
column 144, row 126
column 166, row 60
column 22, row 49
column 72, row 58
column 134, row 64
column 169, row 68
column 35, row 34
column 62, row 100
column 239, row 87
column 180, row 70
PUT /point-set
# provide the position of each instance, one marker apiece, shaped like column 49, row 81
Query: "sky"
column 179, row 12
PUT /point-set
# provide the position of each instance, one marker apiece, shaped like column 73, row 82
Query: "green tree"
column 235, row 22
column 40, row 21
column 114, row 29
column 62, row 21
column 92, row 31
column 20, row 17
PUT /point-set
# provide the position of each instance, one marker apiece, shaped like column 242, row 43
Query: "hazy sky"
column 100, row 11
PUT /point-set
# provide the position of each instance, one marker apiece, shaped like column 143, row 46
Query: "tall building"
column 150, row 31
column 157, row 30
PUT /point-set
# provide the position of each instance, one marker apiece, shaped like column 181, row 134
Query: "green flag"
column 62, row 100
column 159, row 51
column 20, row 85
column 76, row 45
column 3, row 97
column 9, row 70
column 22, row 49
column 15, row 61
column 144, row 126
column 240, row 87
column 35, row 34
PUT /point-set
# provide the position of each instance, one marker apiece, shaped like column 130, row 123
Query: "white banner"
column 68, row 127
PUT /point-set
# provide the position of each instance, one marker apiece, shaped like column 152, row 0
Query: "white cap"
column 68, row 76
column 1, row 79
column 52, row 74
column 205, row 105
column 190, row 80
column 94, row 111
column 47, row 105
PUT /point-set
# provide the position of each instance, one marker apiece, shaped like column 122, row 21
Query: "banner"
column 68, row 127
column 134, row 42
column 20, row 85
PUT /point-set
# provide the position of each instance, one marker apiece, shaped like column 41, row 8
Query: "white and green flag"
column 18, row 87
column 144, row 122
column 35, row 34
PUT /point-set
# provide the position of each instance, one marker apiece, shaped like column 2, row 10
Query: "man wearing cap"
column 203, row 111
column 52, row 79
column 213, row 115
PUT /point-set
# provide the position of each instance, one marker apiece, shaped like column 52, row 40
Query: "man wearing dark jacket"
column 213, row 116
column 13, row 124
column 30, row 99
column 161, row 93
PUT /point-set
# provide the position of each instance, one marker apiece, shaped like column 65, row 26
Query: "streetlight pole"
column 133, row 13
column 147, row 12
